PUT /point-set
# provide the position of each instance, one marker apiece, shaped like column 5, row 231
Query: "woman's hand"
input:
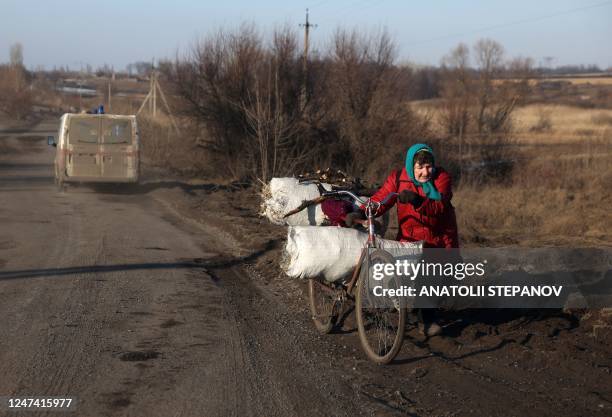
column 354, row 218
column 410, row 197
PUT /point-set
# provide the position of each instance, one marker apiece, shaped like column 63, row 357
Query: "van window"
column 116, row 131
column 83, row 130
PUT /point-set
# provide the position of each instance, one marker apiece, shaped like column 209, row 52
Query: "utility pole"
column 152, row 88
column 81, row 88
column 154, row 84
column 110, row 94
column 306, row 27
column 151, row 100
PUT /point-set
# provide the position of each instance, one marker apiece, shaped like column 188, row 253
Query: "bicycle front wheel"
column 381, row 328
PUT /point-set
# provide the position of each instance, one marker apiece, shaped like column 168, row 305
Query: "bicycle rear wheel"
column 381, row 329
column 322, row 302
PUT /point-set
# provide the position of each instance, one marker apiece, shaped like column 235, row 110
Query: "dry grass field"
column 559, row 193
column 583, row 80
column 533, row 123
column 586, row 79
column 559, row 123
column 547, row 203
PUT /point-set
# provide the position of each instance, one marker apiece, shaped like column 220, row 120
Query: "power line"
column 353, row 8
column 503, row 25
column 317, row 4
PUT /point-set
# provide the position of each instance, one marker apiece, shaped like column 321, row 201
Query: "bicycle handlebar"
column 360, row 200
column 350, row 194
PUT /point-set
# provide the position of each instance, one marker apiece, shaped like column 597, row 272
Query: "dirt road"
column 105, row 297
column 134, row 306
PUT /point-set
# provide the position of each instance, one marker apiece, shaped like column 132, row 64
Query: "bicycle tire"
column 321, row 307
column 372, row 345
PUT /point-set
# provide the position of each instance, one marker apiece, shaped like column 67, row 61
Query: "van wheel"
column 60, row 185
column 59, row 180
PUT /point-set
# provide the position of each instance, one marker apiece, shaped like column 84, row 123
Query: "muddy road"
column 141, row 303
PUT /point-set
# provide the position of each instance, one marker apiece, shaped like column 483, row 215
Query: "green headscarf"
column 428, row 187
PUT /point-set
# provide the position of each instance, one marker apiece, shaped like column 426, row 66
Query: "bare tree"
column 213, row 81
column 501, row 87
column 367, row 99
column 15, row 94
column 16, row 55
column 489, row 56
column 273, row 110
column 479, row 102
column 140, row 68
column 457, row 90
column 246, row 95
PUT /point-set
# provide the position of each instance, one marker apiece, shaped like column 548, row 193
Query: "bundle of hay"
column 282, row 195
column 330, row 252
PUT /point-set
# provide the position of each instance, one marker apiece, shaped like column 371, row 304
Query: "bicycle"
column 381, row 330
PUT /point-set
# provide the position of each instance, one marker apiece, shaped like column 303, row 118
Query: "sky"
column 77, row 33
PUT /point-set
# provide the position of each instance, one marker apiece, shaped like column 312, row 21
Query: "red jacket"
column 433, row 221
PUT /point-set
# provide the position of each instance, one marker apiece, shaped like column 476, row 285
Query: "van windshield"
column 116, row 131
column 84, row 130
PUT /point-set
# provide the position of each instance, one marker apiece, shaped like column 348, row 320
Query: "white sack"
column 285, row 194
column 331, row 252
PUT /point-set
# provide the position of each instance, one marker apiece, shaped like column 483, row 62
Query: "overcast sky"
column 75, row 33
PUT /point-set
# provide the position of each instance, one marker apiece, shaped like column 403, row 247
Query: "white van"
column 96, row 148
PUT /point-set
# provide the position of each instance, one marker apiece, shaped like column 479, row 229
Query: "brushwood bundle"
column 338, row 180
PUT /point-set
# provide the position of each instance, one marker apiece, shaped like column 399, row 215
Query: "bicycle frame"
column 371, row 209
column 393, row 322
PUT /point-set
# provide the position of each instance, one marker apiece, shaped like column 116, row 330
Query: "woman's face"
column 423, row 173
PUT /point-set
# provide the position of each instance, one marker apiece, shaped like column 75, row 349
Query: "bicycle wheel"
column 322, row 305
column 381, row 329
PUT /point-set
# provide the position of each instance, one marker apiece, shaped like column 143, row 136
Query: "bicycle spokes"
column 380, row 325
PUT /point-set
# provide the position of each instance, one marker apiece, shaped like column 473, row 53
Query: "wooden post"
column 154, row 86
column 109, row 97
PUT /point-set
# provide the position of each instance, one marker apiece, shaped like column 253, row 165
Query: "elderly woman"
column 424, row 208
